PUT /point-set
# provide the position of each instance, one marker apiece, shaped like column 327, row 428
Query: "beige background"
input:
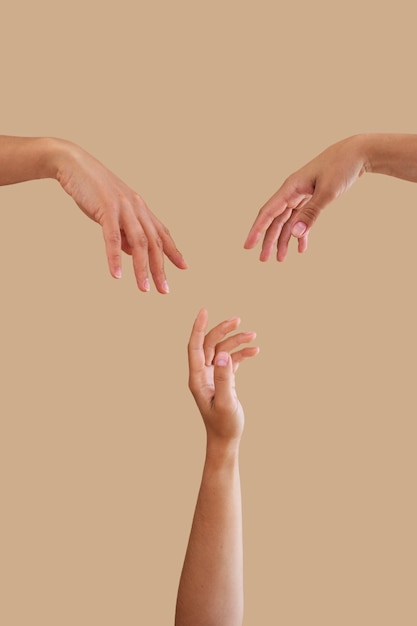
column 205, row 108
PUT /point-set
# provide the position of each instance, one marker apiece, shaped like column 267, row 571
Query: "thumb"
column 223, row 380
column 308, row 214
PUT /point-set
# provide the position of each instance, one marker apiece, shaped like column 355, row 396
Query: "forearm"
column 391, row 154
column 211, row 585
column 28, row 158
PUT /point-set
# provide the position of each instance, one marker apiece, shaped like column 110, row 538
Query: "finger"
column 138, row 243
column 155, row 247
column 283, row 242
column 160, row 242
column 241, row 355
column 196, row 360
column 234, row 341
column 287, row 196
column 309, row 213
column 224, row 382
column 156, row 262
column 274, row 207
column 216, row 335
column 273, row 233
column 303, row 243
column 113, row 241
column 125, row 245
column 169, row 247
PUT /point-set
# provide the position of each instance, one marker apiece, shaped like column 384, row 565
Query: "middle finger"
column 217, row 334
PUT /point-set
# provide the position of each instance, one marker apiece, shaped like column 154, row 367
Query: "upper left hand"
column 127, row 222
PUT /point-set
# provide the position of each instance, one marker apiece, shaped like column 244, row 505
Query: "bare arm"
column 126, row 221
column 25, row 158
column 211, row 585
column 294, row 208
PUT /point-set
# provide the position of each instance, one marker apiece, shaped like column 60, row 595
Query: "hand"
column 211, row 375
column 127, row 222
column 294, row 208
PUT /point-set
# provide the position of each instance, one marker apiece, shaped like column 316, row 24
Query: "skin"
column 127, row 223
column 211, row 585
column 294, row 208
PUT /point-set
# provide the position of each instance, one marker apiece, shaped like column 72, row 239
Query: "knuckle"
column 165, row 231
column 157, row 243
column 268, row 211
column 138, row 200
column 290, row 184
column 114, row 237
column 221, row 378
column 140, row 241
column 114, row 256
column 311, row 212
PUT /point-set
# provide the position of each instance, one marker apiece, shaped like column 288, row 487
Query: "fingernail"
column 146, row 284
column 118, row 273
column 165, row 286
column 221, row 360
column 299, row 229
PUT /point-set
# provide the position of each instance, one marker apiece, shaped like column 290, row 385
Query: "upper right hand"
column 294, row 208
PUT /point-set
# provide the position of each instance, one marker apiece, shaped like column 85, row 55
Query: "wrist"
column 387, row 153
column 359, row 148
column 43, row 156
column 222, row 452
column 60, row 156
column 28, row 158
column 369, row 147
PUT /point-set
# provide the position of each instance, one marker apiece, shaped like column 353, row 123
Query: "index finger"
column 196, row 359
column 271, row 209
column 289, row 196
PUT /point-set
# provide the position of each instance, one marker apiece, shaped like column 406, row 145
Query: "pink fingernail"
column 221, row 360
column 299, row 229
column 165, row 286
column 146, row 284
column 118, row 273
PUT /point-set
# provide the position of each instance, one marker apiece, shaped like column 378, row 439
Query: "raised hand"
column 212, row 366
column 210, row 592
